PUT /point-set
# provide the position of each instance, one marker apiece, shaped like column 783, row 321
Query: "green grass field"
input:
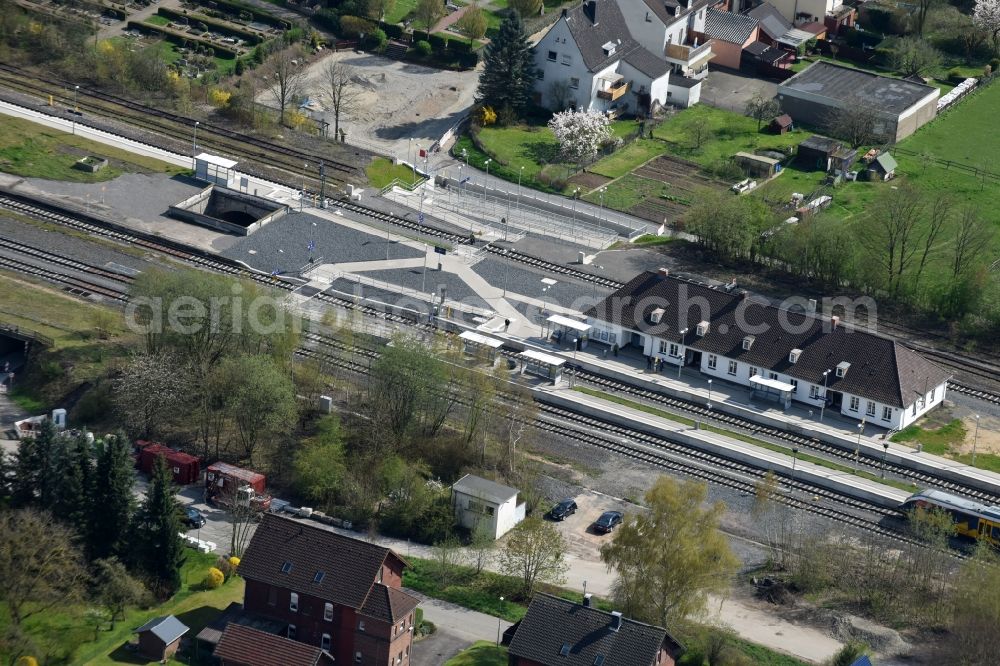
column 66, row 636
column 382, row 171
column 629, row 157
column 966, row 134
column 482, row 653
column 155, row 19
column 31, row 150
column 400, row 9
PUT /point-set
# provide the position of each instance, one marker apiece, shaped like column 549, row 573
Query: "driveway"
column 457, row 629
column 726, row 89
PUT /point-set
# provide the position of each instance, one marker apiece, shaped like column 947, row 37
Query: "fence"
column 948, row 164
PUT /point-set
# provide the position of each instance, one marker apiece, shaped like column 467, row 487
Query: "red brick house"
column 245, row 646
column 337, row 593
column 559, row 632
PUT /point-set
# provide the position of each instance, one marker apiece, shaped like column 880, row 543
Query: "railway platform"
column 731, row 399
column 714, row 443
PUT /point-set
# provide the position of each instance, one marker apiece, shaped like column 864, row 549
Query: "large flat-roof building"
column 816, row 93
column 727, row 335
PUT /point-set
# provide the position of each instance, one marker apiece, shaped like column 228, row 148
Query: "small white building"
column 479, row 502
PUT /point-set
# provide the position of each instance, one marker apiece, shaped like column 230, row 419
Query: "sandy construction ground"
column 395, row 101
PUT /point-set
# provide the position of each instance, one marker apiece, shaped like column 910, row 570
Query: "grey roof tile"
column 610, row 26
column 729, row 27
column 771, row 22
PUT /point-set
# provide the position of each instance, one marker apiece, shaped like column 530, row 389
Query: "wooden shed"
column 817, row 151
column 160, row 637
column 781, row 125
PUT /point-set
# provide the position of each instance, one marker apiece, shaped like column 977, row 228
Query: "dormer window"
column 564, row 650
column 842, row 368
column 656, row 315
column 701, row 329
column 793, row 356
column 286, row 567
column 609, row 48
column 748, row 342
column 318, row 578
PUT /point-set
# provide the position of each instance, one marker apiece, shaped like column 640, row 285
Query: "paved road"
column 457, row 628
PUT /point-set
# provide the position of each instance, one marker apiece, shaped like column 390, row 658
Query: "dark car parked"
column 563, row 510
column 608, row 521
column 194, row 518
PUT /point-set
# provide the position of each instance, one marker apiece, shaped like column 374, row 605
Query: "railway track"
column 552, row 267
column 690, row 409
column 71, row 284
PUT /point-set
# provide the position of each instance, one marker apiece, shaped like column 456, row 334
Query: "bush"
column 329, row 19
column 214, row 578
column 459, row 46
column 353, row 26
column 420, row 36
column 995, row 64
column 438, row 43
column 377, row 41
column 26, row 661
column 234, row 562
column 222, row 564
column 468, row 60
column 423, row 48
column 393, row 31
column 956, row 75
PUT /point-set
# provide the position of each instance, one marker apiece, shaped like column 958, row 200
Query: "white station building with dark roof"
column 809, row 358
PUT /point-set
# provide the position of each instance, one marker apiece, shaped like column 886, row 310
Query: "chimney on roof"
column 616, row 620
column 664, row 272
column 590, row 10
column 564, row 12
column 586, row 600
column 834, row 322
column 811, row 308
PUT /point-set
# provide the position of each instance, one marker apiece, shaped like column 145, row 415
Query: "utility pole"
column 194, row 142
column 822, row 408
column 76, row 105
column 322, row 184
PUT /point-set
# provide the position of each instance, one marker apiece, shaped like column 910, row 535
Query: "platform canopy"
column 569, row 323
column 215, row 160
column 773, row 384
column 541, row 357
column 479, row 339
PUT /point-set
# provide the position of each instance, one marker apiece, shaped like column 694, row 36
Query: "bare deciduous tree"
column 39, row 564
column 761, row 108
column 972, row 239
column 891, row 234
column 428, row 12
column 283, row 77
column 855, row 123
column 149, row 391
column 938, row 218
column 339, row 91
column 535, row 552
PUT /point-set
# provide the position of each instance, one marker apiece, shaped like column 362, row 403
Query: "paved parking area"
column 578, row 530
column 731, row 90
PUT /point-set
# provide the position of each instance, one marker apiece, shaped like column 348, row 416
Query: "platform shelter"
column 479, row 345
column 565, row 330
column 541, row 364
column 215, row 169
column 771, row 389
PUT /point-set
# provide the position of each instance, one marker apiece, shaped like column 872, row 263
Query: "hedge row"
column 218, row 26
column 233, row 7
column 180, row 38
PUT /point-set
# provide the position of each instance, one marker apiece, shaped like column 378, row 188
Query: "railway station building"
column 799, row 354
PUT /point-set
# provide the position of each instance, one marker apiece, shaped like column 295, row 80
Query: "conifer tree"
column 158, row 527
column 508, row 69
column 112, row 500
column 33, row 482
column 71, row 465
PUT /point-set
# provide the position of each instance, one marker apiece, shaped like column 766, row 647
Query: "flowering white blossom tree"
column 580, row 133
column 986, row 16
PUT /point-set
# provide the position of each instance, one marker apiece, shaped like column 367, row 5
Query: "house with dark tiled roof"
column 559, row 632
column 329, row 591
column 815, row 360
column 590, row 60
column 244, row 646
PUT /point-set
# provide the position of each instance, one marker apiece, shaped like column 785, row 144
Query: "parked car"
column 563, row 509
column 194, row 518
column 608, row 521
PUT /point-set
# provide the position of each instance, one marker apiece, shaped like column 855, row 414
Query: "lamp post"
column 76, row 105
column 519, row 174
column 194, row 142
column 857, row 447
column 460, row 182
column 409, row 152
column 680, row 361
column 465, row 154
column 885, row 452
column 487, row 163
column 822, row 407
column 710, row 394
column 575, row 193
column 499, row 620
column 506, row 267
column 975, row 441
column 600, row 216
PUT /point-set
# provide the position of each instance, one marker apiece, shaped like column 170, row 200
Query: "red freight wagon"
column 184, row 467
column 220, row 477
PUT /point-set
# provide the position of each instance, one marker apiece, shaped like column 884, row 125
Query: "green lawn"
column 482, row 653
column 967, row 134
column 382, row 171
column 400, row 9
column 629, row 157
column 65, row 634
column 157, row 20
column 725, row 134
column 628, row 191
column 31, row 150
